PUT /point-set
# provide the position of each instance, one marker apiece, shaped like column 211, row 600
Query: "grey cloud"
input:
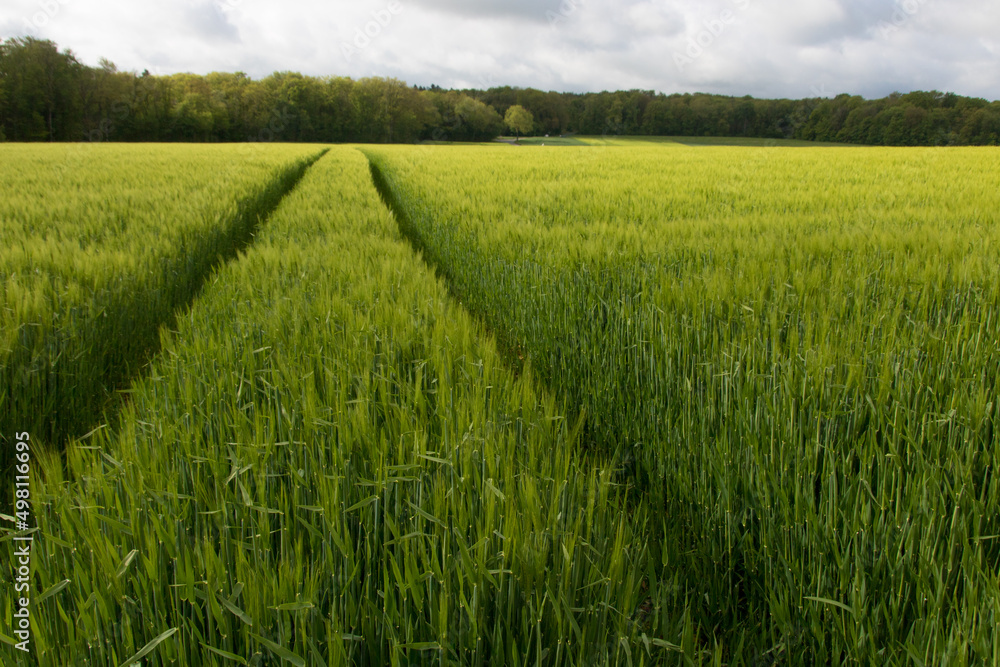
column 532, row 10
column 853, row 20
column 206, row 19
column 863, row 15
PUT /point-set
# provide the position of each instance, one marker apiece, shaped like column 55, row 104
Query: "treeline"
column 49, row 95
column 913, row 119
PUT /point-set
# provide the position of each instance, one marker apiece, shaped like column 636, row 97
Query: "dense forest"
column 49, row 95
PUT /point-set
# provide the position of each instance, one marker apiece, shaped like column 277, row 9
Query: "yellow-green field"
column 617, row 403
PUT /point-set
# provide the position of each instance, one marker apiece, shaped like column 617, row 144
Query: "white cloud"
column 761, row 47
column 531, row 10
column 652, row 17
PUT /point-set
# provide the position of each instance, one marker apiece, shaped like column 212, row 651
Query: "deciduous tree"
column 519, row 120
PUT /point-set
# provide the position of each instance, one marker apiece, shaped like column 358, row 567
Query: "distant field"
column 743, row 141
column 634, row 401
column 549, row 141
column 617, row 140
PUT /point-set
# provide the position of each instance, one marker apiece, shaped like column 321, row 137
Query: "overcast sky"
column 765, row 48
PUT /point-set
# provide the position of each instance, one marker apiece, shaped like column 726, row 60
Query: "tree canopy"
column 48, row 95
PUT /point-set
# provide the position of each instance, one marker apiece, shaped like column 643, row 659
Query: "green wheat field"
column 618, row 402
